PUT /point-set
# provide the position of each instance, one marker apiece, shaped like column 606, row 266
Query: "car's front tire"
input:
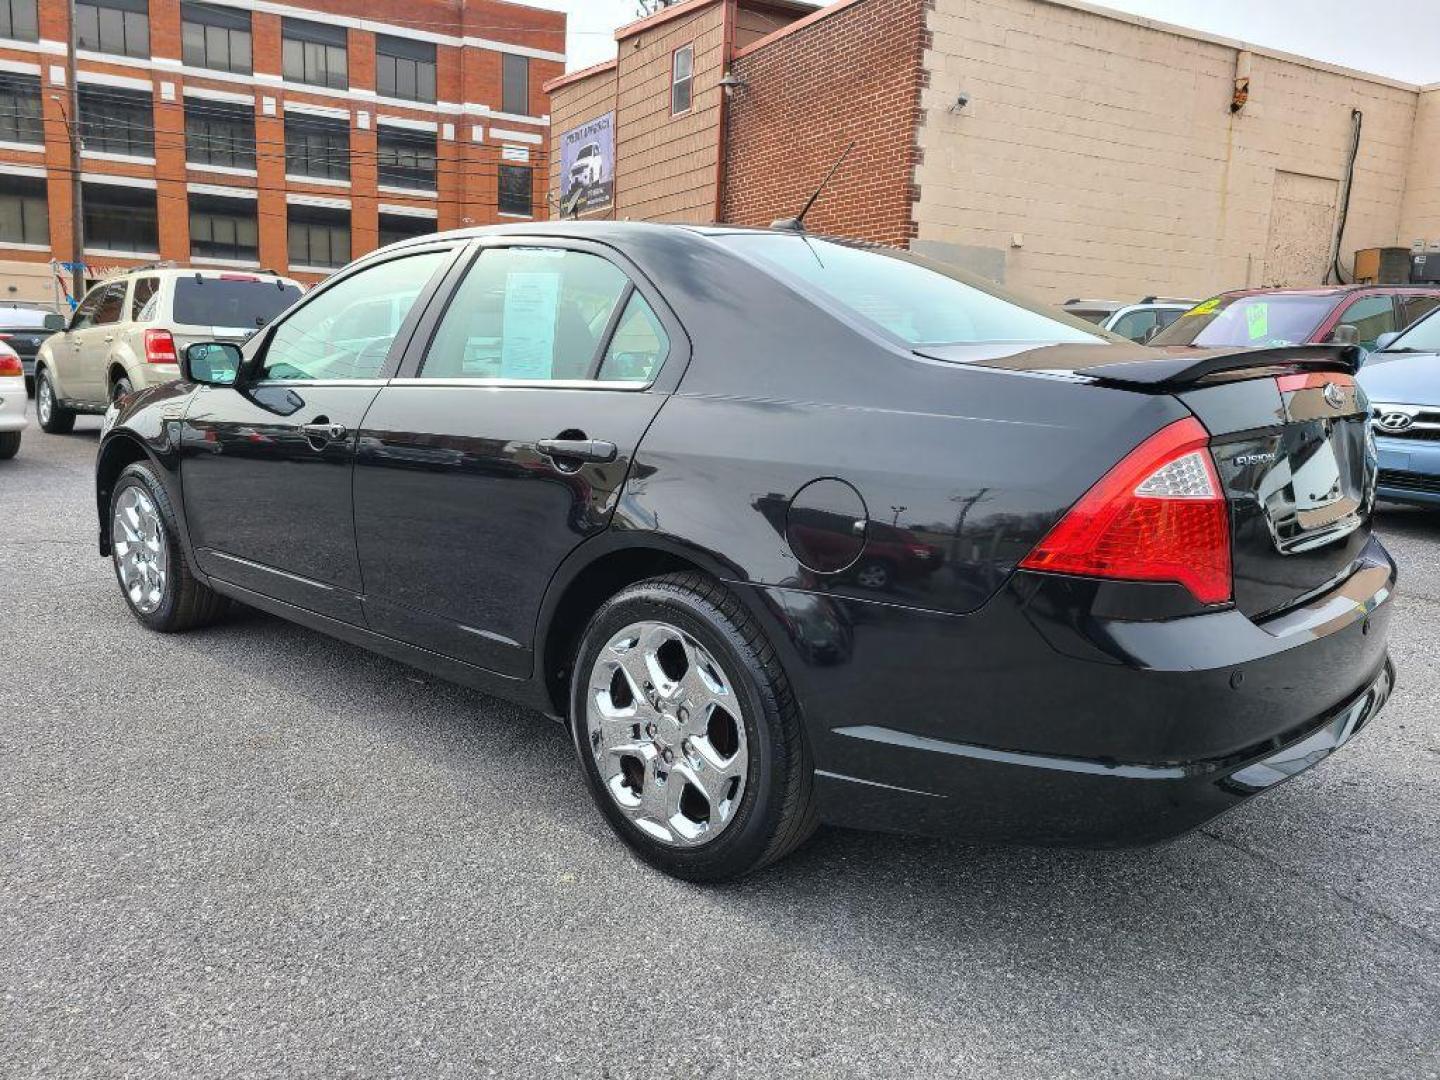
column 9, row 444
column 145, row 547
column 54, row 420
column 688, row 732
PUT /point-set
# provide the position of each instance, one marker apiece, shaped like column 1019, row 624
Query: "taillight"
column 1159, row 515
column 160, row 347
column 10, row 362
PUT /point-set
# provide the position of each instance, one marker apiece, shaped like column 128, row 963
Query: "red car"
column 1271, row 317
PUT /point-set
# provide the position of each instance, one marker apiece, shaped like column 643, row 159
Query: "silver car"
column 128, row 332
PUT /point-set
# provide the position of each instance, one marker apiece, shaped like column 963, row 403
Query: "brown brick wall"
column 467, row 175
column 852, row 75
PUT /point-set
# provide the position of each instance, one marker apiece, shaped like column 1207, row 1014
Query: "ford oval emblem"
column 1334, row 395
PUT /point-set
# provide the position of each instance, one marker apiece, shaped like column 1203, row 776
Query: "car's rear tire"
column 9, row 444
column 54, row 420
column 688, row 733
column 154, row 577
column 120, row 388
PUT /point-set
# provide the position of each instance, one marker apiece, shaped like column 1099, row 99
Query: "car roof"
column 193, row 271
column 1329, row 290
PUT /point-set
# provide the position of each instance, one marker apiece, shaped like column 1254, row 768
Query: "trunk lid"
column 1291, row 443
column 1299, row 468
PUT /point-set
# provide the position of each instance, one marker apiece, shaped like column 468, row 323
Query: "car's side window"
column 85, row 313
column 141, row 310
column 527, row 313
column 1135, row 324
column 346, row 331
column 1371, row 316
column 638, row 347
column 112, row 305
column 1414, row 308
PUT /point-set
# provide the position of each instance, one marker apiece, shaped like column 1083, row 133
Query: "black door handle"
column 579, row 450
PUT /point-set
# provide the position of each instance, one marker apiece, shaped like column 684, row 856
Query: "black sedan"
column 640, row 477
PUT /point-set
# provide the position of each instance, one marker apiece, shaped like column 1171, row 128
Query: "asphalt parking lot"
column 254, row 851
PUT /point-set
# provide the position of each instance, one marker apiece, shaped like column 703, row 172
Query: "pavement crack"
column 1427, row 940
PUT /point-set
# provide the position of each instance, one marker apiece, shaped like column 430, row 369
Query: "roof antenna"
column 797, row 224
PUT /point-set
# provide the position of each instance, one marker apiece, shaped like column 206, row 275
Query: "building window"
column 114, row 26
column 24, row 218
column 515, row 85
column 120, row 218
column 314, row 53
column 516, row 190
column 406, row 158
column 18, row 20
column 319, row 236
column 215, row 37
column 317, row 146
column 397, row 227
column 218, row 133
column 224, row 228
column 682, row 79
column 404, row 69
column 115, row 121
column 20, row 116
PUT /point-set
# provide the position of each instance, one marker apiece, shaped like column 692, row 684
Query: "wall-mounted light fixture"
column 732, row 84
column 962, row 99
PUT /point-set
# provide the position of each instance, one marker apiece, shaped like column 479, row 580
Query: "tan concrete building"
column 1095, row 153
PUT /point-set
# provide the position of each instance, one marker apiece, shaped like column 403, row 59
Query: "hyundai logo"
column 1334, row 395
column 1395, row 422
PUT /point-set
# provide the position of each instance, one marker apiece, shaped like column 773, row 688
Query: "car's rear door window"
column 112, row 304
column 238, row 302
column 638, row 347
column 346, row 331
column 1413, row 308
column 920, row 303
column 528, row 314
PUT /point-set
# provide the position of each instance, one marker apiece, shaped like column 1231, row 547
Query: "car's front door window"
column 528, row 314
column 1371, row 316
column 85, row 314
column 347, row 331
column 112, row 304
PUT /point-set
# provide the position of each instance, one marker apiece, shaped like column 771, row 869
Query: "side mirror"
column 54, row 323
column 1345, row 335
column 212, row 363
column 1384, row 341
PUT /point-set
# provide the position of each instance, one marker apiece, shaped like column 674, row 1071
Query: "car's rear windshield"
column 22, row 318
column 1261, row 320
column 917, row 301
column 231, row 302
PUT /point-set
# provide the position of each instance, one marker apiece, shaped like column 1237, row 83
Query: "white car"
column 12, row 401
column 589, row 167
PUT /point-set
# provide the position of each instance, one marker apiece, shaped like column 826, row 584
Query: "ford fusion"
column 787, row 530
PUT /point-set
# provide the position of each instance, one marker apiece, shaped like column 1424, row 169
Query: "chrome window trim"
column 317, row 382
column 630, row 385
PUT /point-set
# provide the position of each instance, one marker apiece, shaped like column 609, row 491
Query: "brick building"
column 1096, row 153
column 289, row 135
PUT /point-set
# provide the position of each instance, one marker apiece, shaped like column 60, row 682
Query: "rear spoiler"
column 1187, row 367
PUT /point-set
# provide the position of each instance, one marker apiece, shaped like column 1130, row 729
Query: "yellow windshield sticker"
column 1207, row 308
column 1257, row 320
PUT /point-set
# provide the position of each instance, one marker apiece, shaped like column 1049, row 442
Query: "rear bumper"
column 1409, row 470
column 1033, row 722
column 12, row 404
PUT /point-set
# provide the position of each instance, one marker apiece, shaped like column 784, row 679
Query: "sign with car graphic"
column 587, row 167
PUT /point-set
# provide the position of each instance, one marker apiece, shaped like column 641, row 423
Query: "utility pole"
column 72, row 128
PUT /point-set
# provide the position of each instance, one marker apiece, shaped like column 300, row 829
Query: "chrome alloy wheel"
column 666, row 733
column 44, row 400
column 141, row 555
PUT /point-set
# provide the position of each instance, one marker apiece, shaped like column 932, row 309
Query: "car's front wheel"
column 688, row 732
column 9, row 444
column 145, row 547
column 54, row 420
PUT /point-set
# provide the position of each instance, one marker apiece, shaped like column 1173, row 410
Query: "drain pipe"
column 1357, row 123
